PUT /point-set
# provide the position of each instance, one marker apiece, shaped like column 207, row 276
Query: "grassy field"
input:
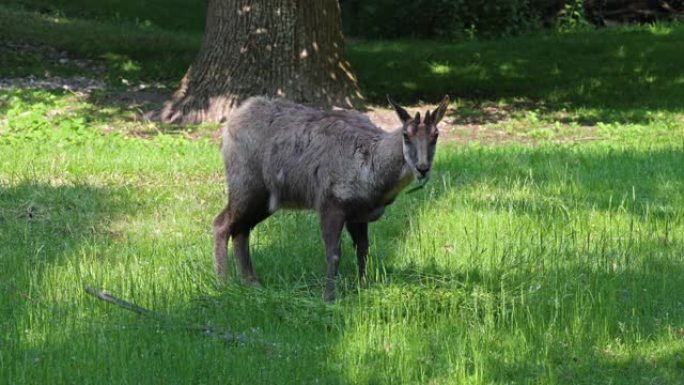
column 550, row 254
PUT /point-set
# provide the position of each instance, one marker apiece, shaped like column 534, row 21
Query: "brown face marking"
column 424, row 132
column 420, row 131
column 411, row 129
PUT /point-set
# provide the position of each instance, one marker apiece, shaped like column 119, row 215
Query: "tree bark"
column 288, row 48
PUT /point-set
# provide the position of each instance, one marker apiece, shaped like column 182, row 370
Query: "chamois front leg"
column 332, row 221
column 359, row 235
column 244, row 262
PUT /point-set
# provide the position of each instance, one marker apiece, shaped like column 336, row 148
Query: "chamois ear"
column 438, row 114
column 403, row 115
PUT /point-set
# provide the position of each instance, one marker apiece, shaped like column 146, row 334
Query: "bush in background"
column 454, row 19
column 443, row 18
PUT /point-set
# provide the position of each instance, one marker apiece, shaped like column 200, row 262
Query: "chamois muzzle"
column 423, row 170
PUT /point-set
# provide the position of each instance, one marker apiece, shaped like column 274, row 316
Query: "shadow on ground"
column 602, row 177
column 43, row 223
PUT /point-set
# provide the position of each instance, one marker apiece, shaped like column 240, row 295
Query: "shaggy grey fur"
column 306, row 157
column 280, row 154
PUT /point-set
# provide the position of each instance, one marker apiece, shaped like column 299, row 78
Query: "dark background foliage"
column 453, row 19
column 373, row 19
column 439, row 18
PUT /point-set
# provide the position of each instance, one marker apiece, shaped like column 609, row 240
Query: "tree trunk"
column 288, row 48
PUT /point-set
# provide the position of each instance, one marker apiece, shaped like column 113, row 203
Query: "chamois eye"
column 406, row 138
column 433, row 138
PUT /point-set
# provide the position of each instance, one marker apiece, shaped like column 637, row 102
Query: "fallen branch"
column 205, row 330
column 103, row 295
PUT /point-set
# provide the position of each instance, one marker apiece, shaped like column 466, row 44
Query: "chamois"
column 278, row 154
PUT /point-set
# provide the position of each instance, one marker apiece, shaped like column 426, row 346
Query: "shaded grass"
column 618, row 75
column 128, row 50
column 164, row 14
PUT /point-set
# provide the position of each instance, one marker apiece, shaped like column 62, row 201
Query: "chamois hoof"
column 253, row 282
column 328, row 296
column 221, row 280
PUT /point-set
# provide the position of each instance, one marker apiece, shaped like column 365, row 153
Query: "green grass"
column 554, row 257
column 550, row 264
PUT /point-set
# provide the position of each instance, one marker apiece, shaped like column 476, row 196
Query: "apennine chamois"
column 280, row 154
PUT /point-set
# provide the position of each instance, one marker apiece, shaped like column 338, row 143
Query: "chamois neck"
column 389, row 163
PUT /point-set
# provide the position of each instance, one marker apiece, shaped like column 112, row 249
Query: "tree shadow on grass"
column 557, row 179
column 614, row 321
column 583, row 321
column 46, row 227
column 44, row 224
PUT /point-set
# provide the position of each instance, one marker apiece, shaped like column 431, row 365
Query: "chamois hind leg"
column 332, row 222
column 359, row 235
column 221, row 232
column 242, row 222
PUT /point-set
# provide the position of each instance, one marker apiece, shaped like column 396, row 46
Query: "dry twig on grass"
column 205, row 330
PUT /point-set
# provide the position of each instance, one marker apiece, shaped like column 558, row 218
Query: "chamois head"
column 420, row 137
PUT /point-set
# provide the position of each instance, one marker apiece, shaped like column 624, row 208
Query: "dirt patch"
column 73, row 83
column 137, row 98
column 492, row 124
